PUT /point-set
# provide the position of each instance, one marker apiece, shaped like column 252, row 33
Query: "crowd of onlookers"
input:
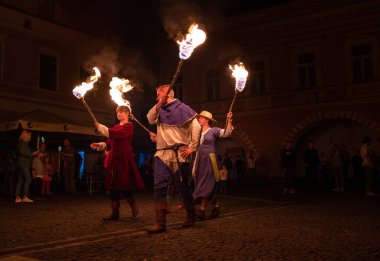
column 335, row 170
column 29, row 173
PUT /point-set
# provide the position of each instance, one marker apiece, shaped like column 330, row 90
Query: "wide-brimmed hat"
column 207, row 115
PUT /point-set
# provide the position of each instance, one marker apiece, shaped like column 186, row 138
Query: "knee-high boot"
column 160, row 226
column 134, row 208
column 115, row 205
column 190, row 217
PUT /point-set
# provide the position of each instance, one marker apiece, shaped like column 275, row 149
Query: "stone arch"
column 314, row 118
column 244, row 138
column 326, row 125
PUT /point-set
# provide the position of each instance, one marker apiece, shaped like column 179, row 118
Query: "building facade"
column 42, row 59
column 313, row 75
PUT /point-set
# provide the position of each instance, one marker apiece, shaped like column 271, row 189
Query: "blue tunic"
column 204, row 171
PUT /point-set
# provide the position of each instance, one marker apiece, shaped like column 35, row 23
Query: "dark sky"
column 143, row 22
column 133, row 29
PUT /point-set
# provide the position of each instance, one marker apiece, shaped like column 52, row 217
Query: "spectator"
column 68, row 157
column 240, row 167
column 38, row 172
column 48, row 174
column 337, row 168
column 288, row 159
column 367, row 164
column 251, row 165
column 24, row 158
column 312, row 164
column 223, row 179
column 227, row 162
column 325, row 170
column 356, row 162
column 345, row 157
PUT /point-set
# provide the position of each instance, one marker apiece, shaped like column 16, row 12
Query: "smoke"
column 106, row 59
column 115, row 60
column 136, row 70
column 227, row 51
column 177, row 16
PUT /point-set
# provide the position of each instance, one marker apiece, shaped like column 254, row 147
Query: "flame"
column 80, row 90
column 118, row 87
column 194, row 38
column 240, row 74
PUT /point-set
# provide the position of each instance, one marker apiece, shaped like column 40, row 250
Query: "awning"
column 40, row 120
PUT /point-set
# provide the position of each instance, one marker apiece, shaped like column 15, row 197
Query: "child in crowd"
column 38, row 173
column 48, row 173
column 223, row 179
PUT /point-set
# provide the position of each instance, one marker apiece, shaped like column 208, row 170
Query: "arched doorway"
column 327, row 128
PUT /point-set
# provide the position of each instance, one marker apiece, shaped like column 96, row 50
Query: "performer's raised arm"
column 229, row 129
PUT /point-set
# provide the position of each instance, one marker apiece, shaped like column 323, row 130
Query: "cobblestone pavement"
column 261, row 226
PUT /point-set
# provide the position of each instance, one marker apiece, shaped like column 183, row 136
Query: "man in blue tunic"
column 178, row 133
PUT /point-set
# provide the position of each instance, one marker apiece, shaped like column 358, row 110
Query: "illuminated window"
column 306, row 70
column 362, row 63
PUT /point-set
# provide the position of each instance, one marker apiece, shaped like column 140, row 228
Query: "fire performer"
column 177, row 138
column 206, row 169
column 122, row 175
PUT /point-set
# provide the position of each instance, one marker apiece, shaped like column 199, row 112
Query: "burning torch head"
column 194, row 38
column 240, row 74
column 80, row 90
column 118, row 88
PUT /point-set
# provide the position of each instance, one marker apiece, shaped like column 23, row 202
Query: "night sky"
column 145, row 22
column 132, row 31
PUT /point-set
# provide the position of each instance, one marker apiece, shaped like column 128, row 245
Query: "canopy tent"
column 40, row 120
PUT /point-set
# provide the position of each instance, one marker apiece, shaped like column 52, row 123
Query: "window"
column 46, row 9
column 178, row 88
column 213, row 85
column 48, row 72
column 258, row 85
column 362, row 63
column 306, row 70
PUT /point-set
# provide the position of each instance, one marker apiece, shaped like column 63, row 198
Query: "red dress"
column 122, row 172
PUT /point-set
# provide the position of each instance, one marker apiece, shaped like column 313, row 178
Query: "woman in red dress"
column 122, row 175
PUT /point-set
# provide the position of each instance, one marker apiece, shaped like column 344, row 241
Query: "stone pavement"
column 255, row 225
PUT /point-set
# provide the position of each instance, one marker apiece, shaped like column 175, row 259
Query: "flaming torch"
column 80, row 91
column 194, row 38
column 118, row 87
column 240, row 74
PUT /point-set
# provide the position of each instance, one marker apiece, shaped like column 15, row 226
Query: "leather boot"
column 115, row 205
column 132, row 203
column 190, row 218
column 160, row 226
column 200, row 214
column 215, row 212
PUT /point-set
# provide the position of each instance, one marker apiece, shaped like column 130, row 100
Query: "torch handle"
column 175, row 76
column 139, row 123
column 232, row 104
column 89, row 110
